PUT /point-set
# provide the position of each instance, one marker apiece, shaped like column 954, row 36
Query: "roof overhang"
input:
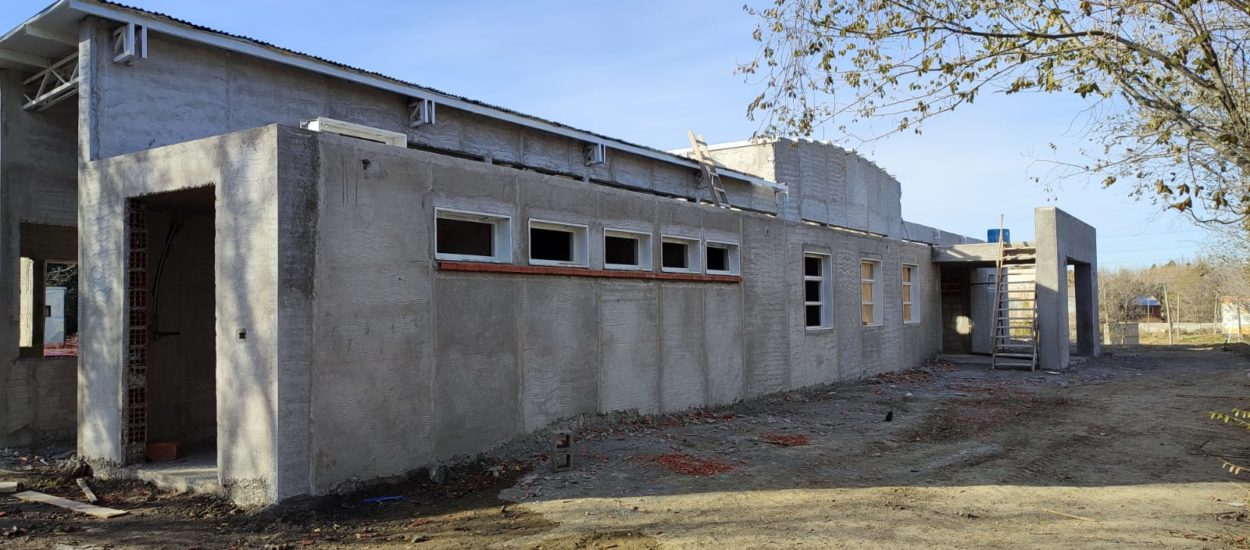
column 41, row 42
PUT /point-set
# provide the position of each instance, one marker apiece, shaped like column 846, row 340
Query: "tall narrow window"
column 679, row 255
column 557, row 243
column 626, row 249
column 869, row 291
column 721, row 258
column 816, row 291
column 471, row 236
column 909, row 272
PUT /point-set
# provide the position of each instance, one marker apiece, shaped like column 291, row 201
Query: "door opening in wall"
column 172, row 397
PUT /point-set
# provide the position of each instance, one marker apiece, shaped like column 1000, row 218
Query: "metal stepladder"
column 710, row 178
column 1015, row 307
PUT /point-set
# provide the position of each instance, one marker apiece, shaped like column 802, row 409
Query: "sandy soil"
column 1116, row 453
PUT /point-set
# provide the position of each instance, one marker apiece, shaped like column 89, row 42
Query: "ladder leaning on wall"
column 710, row 177
column 1015, row 307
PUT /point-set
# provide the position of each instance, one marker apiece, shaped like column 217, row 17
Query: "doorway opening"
column 171, row 414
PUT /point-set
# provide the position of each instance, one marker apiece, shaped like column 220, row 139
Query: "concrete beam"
column 973, row 254
column 25, row 58
column 50, row 35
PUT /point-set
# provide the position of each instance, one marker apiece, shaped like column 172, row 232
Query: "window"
column 678, row 254
column 721, row 258
column 626, row 250
column 47, row 308
column 554, row 243
column 870, row 291
column 909, row 272
column 472, row 236
column 817, row 287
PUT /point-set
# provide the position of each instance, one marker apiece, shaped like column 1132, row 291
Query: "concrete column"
column 1052, row 293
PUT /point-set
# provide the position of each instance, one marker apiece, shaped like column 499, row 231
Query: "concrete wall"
column 203, row 91
column 830, row 185
column 1063, row 240
column 242, row 168
column 417, row 364
column 37, row 186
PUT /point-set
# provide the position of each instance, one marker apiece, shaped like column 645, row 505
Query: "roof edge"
column 167, row 25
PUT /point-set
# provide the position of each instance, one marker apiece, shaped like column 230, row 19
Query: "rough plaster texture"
column 242, row 168
column 38, row 189
column 418, row 364
column 1063, row 240
column 359, row 342
column 213, row 92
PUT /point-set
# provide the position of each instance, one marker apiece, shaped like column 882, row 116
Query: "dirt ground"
column 1115, row 453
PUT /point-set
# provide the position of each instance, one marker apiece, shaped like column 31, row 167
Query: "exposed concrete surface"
column 1063, row 240
column 38, row 190
column 193, row 474
column 242, row 168
column 426, row 365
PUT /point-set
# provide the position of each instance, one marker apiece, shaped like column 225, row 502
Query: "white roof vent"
column 359, row 131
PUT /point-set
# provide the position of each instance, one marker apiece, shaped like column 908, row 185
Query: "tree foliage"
column 1169, row 79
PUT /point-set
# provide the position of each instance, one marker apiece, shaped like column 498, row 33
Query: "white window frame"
column 875, row 281
column 581, row 246
column 692, row 254
column 826, row 290
column 501, row 235
column 732, row 261
column 909, row 290
column 644, row 249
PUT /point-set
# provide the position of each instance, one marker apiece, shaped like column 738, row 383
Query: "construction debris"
column 7, row 487
column 79, row 507
column 86, row 491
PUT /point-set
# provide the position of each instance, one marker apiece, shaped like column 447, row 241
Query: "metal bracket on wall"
column 130, row 41
column 52, row 85
column 595, row 153
column 421, row 112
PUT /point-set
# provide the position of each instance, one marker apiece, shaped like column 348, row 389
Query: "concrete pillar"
column 1052, row 292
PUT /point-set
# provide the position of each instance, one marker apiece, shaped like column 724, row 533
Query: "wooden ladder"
column 1015, row 308
column 710, row 178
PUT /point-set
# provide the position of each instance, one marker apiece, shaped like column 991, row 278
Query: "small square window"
column 472, row 236
column 626, row 250
column 721, row 258
column 557, row 243
column 678, row 254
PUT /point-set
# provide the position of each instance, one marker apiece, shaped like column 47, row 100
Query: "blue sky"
column 648, row 71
